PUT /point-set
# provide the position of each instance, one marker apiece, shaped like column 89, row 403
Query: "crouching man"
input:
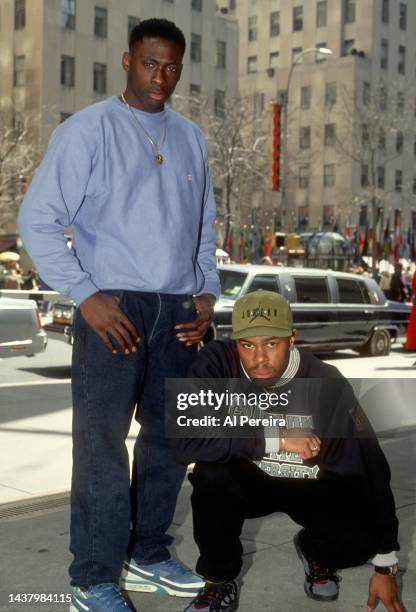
column 334, row 485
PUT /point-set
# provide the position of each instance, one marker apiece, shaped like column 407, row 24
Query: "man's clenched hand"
column 105, row 317
column 384, row 588
column 194, row 332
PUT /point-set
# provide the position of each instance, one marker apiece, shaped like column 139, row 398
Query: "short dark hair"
column 157, row 28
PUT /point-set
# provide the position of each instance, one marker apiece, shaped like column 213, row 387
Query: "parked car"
column 21, row 330
column 331, row 310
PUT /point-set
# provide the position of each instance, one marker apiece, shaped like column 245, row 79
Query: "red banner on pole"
column 277, row 110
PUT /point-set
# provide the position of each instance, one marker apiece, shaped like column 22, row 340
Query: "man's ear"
column 292, row 340
column 125, row 61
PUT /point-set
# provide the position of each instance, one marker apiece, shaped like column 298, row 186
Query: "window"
column 303, row 177
column 305, row 137
column 414, row 186
column 252, row 28
column 362, row 220
column 328, row 214
column 311, row 290
column 18, row 123
column 275, row 23
column 297, row 18
column 19, row 14
column 132, row 22
column 385, row 11
column 64, row 116
column 381, row 177
column 303, row 217
column 194, row 103
column 401, row 67
column 100, row 78
column 398, row 181
column 352, row 292
column 19, row 71
column 100, row 22
column 305, row 97
column 399, row 142
column 348, row 46
column 321, row 14
column 365, row 134
column 219, row 103
column 364, row 175
column 330, row 94
column 196, row 44
column 268, row 282
column 349, row 11
column 197, row 5
column 329, row 175
column 274, row 59
column 403, row 16
column 414, row 147
column 366, row 93
column 382, row 139
column 252, row 64
column 383, row 98
column 68, row 13
column 221, row 58
column 231, row 283
column 295, row 53
column 67, row 71
column 329, row 137
column 400, row 103
column 384, row 57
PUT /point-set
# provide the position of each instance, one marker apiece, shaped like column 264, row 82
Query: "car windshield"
column 231, row 283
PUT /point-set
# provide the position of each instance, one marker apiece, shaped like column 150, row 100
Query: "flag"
column 348, row 229
column 386, row 248
column 268, row 243
column 398, row 239
column 378, row 232
column 229, row 243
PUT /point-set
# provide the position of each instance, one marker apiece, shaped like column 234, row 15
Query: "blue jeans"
column 108, row 516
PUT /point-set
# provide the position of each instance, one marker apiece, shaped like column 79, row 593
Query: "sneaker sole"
column 306, row 583
column 154, row 587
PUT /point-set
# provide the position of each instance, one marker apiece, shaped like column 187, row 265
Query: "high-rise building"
column 350, row 137
column 58, row 56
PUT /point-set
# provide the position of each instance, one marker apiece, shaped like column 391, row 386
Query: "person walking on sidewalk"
column 131, row 177
column 325, row 469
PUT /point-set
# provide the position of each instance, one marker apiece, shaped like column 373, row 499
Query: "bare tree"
column 18, row 158
column 373, row 125
column 238, row 140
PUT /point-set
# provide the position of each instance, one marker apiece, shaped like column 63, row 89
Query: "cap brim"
column 261, row 331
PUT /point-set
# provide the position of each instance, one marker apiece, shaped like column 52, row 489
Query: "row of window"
column 349, row 13
column 384, row 57
column 329, row 177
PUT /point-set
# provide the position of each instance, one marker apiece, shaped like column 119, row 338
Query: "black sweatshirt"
column 354, row 452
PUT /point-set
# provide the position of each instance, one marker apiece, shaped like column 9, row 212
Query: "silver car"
column 21, row 330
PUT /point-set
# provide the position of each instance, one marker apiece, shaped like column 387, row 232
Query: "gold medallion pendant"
column 159, row 158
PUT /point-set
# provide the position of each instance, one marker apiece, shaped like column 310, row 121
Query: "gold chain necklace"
column 158, row 155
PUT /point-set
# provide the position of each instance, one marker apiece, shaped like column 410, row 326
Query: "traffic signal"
column 277, row 110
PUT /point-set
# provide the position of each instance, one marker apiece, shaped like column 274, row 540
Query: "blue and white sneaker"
column 169, row 577
column 105, row 597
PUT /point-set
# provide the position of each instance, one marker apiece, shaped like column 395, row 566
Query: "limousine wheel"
column 379, row 344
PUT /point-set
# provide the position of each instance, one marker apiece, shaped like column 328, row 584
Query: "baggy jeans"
column 108, row 515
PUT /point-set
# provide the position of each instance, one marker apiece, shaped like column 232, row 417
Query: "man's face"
column 154, row 67
column 264, row 358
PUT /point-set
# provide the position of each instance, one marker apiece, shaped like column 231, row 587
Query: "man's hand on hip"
column 384, row 588
column 104, row 315
column 194, row 332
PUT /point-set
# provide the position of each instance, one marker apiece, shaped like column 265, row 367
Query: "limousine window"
column 311, row 290
column 264, row 281
column 231, row 283
column 352, row 292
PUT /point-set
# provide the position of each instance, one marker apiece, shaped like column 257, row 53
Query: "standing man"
column 325, row 468
column 131, row 178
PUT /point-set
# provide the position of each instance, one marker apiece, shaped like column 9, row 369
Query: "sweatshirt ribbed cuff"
column 385, row 559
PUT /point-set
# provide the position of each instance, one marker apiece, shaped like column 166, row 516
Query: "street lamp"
column 323, row 51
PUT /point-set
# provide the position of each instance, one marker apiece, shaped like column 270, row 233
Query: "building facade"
column 58, row 56
column 350, row 115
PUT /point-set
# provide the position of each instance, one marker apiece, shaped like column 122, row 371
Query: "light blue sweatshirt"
column 137, row 225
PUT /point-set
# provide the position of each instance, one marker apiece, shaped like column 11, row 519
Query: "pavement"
column 34, row 511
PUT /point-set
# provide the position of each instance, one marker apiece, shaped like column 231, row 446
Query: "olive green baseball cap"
column 262, row 313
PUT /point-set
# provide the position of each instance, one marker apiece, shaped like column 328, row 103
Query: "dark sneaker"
column 320, row 583
column 215, row 597
column 169, row 577
column 105, row 597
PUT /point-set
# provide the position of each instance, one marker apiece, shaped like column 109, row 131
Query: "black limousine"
column 331, row 310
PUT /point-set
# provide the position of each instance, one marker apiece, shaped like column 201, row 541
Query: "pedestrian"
column 385, row 283
column 324, row 467
column 131, row 177
column 397, row 287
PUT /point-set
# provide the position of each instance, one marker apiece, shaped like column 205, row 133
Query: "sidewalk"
column 35, row 551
